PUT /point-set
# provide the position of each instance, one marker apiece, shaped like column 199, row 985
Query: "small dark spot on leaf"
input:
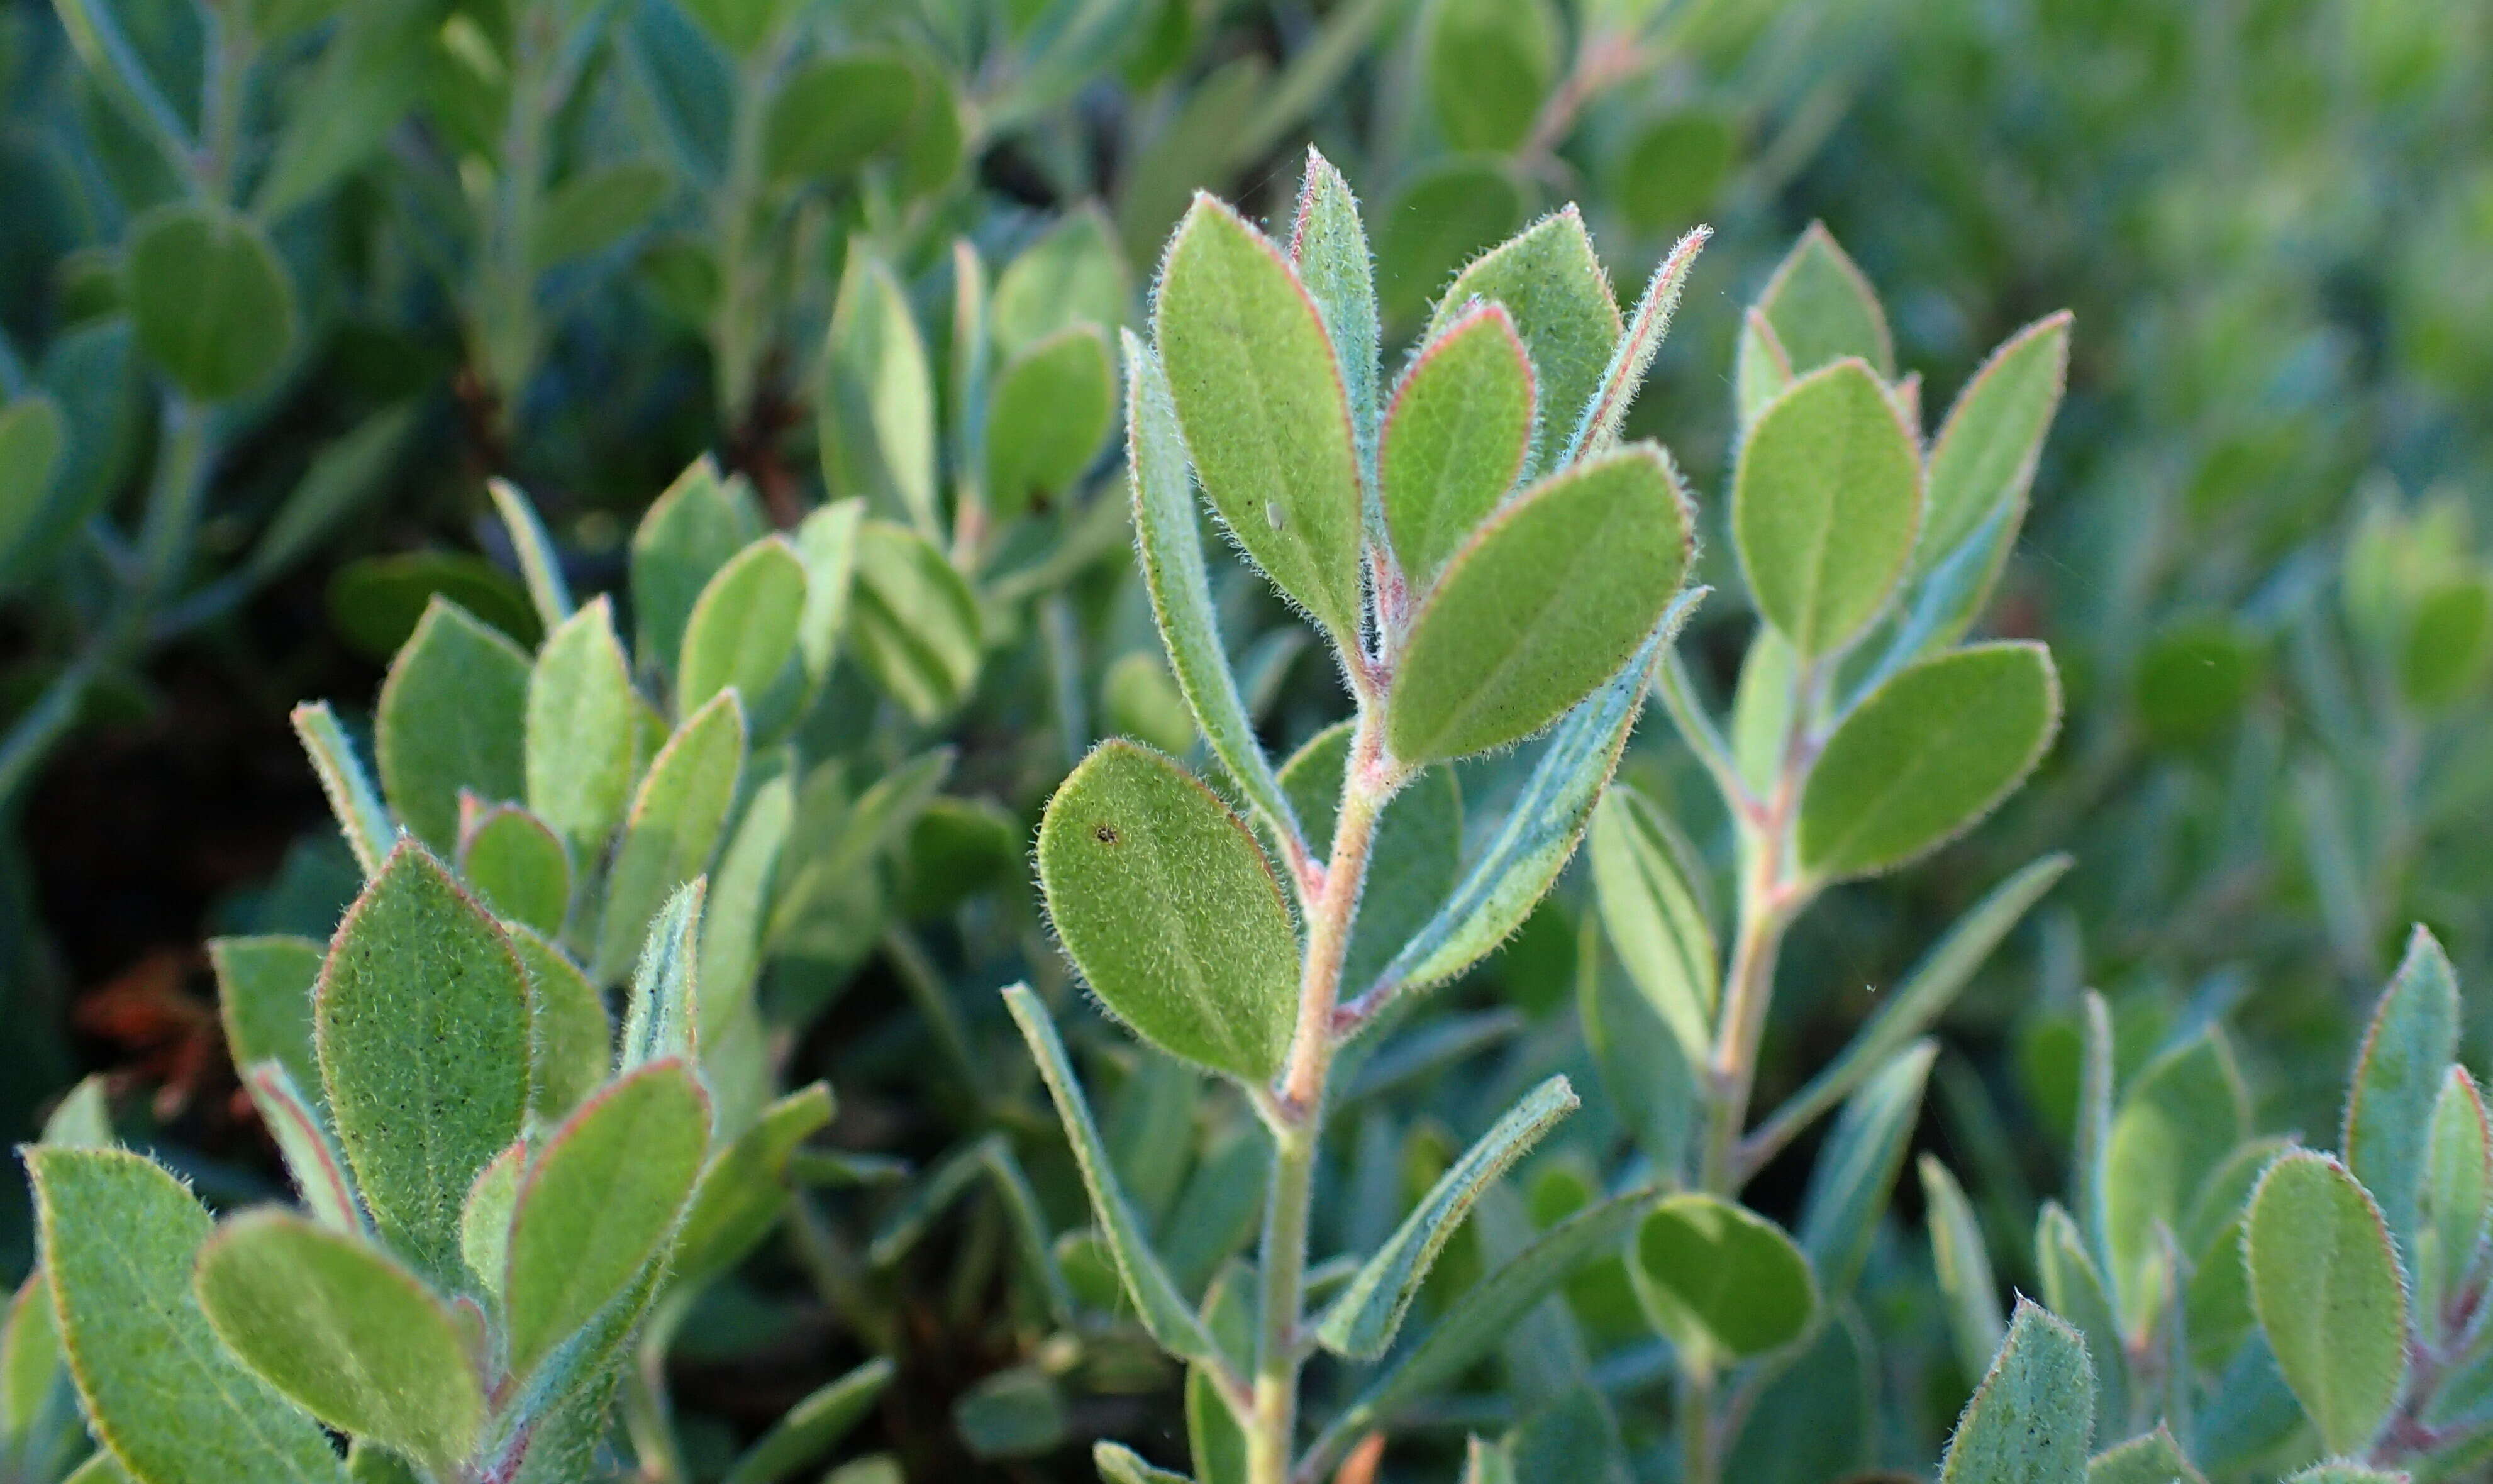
column 1106, row 834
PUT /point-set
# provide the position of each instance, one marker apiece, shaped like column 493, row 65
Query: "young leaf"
column 2325, row 1284
column 517, row 865
column 1329, row 250
column 1856, row 1170
column 361, row 817
column 598, row 1203
column 1051, row 409
column 742, row 632
column 1721, row 1281
column 661, row 1020
column 1925, row 756
column 2029, row 1420
column 877, row 402
column 353, row 1337
column 1454, row 438
column 209, row 298
column 264, row 995
column 1163, row 1309
column 120, row 1237
column 539, row 562
column 1165, row 902
column 581, row 720
column 1822, row 308
column 2409, row 1046
column 674, row 829
column 1985, row 454
column 1650, row 888
column 2181, row 1116
column 1824, row 507
column 1171, row 548
column 575, row 1039
column 1551, row 282
column 2150, row 1458
column 452, row 716
column 1260, row 396
column 1963, row 1263
column 1599, row 429
column 913, row 622
column 1541, row 605
column 421, row 1024
column 302, row 1138
column 693, row 529
column 1362, row 1323
column 2074, row 1288
column 2457, row 1189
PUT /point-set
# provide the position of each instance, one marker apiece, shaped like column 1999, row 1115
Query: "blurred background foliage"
column 285, row 283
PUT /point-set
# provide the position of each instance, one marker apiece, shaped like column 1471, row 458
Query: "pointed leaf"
column 744, row 1188
column 1649, row 885
column 452, row 716
column 1602, row 420
column 1165, row 902
column 582, row 715
column 2074, row 1288
column 1119, row 1464
column 877, row 403
column 693, row 529
column 358, row 806
column 304, row 1140
column 2409, row 1049
column 1454, row 438
column 672, row 830
column 347, row 1332
column 120, row 1237
column 1720, row 1279
column 515, row 864
column 2181, row 1116
column 2457, row 1190
column 813, row 1427
column 540, row 564
column 1823, row 309
column 421, row 1024
column 1826, row 505
column 2150, row 1458
column 1541, row 605
column 264, row 995
column 1856, row 1170
column 1985, row 454
column 1925, row 756
column 1551, row 282
column 598, row 1203
column 1963, row 1262
column 2325, row 1285
column 1260, row 396
column 1762, row 371
column 913, row 622
column 661, row 1019
column 742, row 632
column 1329, row 250
column 1362, row 1323
column 2029, row 1420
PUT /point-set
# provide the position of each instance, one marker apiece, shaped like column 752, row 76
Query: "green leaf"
column 1454, row 438
column 2457, row 1190
column 1435, row 220
column 517, row 865
column 2150, row 1458
column 1548, row 600
column 598, row 1203
column 2182, row 1115
column 1362, row 1323
column 2408, row 1051
column 744, row 1188
column 2325, row 1285
column 1963, row 1263
column 1171, row 548
column 1762, row 371
column 1925, row 756
column 742, row 632
column 421, row 1024
column 736, row 913
column 575, row 1040
column 353, row 1337
column 813, row 1427
column 1329, row 248
column 1856, row 1170
column 2339, row 1472
column 1598, row 430
column 264, row 996
column 1722, row 1281
column 580, row 722
column 209, row 298
column 1214, row 1436
column 1824, row 507
column 826, row 543
column 1073, row 275
column 1013, row 1413
column 120, row 1237
column 1260, row 396
column 1412, row 864
column 914, row 623
column 661, row 1018
column 693, row 529
column 1673, row 168
column 1985, row 454
column 1119, row 1464
column 740, row 26
column 1163, row 1311
column 876, row 406
column 674, row 829
column 833, row 114
column 1489, row 64
column 343, row 476
column 485, row 1219
column 84, row 1120
column 2448, row 641
column 1650, row 1080
column 1163, row 899
column 1551, row 282
column 31, row 1361
column 32, row 433
column 596, row 209
column 362, row 818
column 375, row 601
column 2074, row 1288
column 1050, row 409
column 1813, row 1420
column 1650, row 887
column 452, row 716
column 1823, row 309
column 302, row 1135
column 2029, row 1420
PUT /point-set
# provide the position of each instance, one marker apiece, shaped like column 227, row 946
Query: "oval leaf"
column 1986, row 450
column 2324, row 1286
column 913, row 622
column 1925, row 756
column 1540, row 606
column 675, row 827
column 452, row 716
column 581, row 719
column 211, row 303
column 2408, row 1051
column 508, row 857
column 1168, row 906
column 1552, row 284
column 1823, row 309
column 1721, row 1280
column 1050, row 410
column 1454, row 438
column 743, row 633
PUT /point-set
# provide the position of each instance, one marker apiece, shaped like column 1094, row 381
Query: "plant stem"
column 1692, row 1414
column 1746, row 996
column 1296, row 1109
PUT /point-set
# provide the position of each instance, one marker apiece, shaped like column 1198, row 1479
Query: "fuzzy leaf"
column 1823, row 309
column 742, row 632
column 692, row 529
column 302, row 1138
column 2150, row 1458
column 2457, row 1190
column 672, row 830
column 515, row 864
column 1720, row 1279
column 1541, row 605
column 876, row 407
column 485, row 1219
column 421, row 1024
column 581, row 714
column 209, row 298
column 2325, row 1285
column 358, row 806
column 2074, row 1288
column 1925, row 756
column 264, row 995
column 1050, row 410
column 1329, row 250
column 1650, row 887
column 2409, row 1049
column 1761, row 370
column 1963, row 1263
column 2182, row 1115
column 1454, row 438
column 1362, row 1323
column 1266, row 416
column 913, row 622
column 1551, row 282
column 661, row 1014
column 452, row 716
column 1985, row 454
column 1597, row 431
column 1824, row 507
column 575, row 1039
column 120, row 1237
column 598, row 1203
column 1856, row 1170
column 2029, row 1419
column 744, row 1188
column 353, row 1337
column 1165, row 902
